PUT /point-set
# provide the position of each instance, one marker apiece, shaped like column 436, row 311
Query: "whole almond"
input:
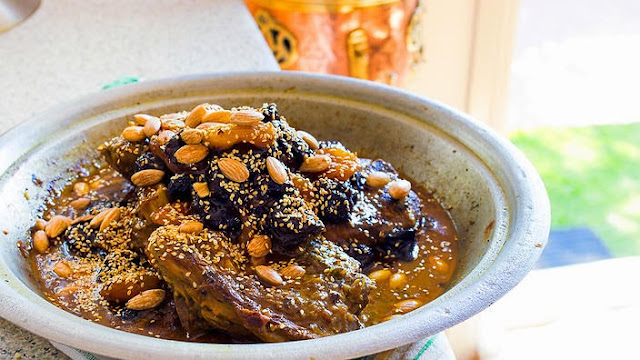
column 133, row 133
column 246, row 118
column 309, row 139
column 316, row 163
column 217, row 116
column 57, row 225
column 80, row 203
column 259, row 246
column 97, row 220
column 191, row 154
column 82, row 218
column 277, row 170
column 40, row 224
column 377, row 179
column 63, row 270
column 268, row 276
column 233, row 169
column 40, row 241
column 147, row 177
column 191, row 136
column 191, row 226
column 141, row 119
column 110, row 218
column 195, row 116
column 152, row 126
column 146, row 300
column 293, row 271
column 398, row 189
column 202, row 189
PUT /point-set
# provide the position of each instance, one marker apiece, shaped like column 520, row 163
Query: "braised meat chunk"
column 316, row 294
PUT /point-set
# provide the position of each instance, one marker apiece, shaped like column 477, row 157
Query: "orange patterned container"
column 367, row 39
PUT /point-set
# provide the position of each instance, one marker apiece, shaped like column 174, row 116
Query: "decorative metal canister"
column 368, row 39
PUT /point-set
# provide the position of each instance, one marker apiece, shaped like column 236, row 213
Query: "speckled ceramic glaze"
column 496, row 198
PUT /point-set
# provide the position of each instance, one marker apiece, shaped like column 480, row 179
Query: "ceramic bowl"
column 494, row 194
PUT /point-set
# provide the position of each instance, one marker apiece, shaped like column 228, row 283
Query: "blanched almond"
column 202, row 189
column 56, row 226
column 147, row 177
column 380, row 275
column 146, row 300
column 259, row 246
column 62, row 270
column 81, row 188
column 191, row 226
column 40, row 241
column 405, row 306
column 192, row 136
column 268, row 276
column 133, row 133
column 164, row 136
column 309, row 139
column 277, row 170
column 233, row 169
column 172, row 124
column 398, row 189
column 378, row 179
column 397, row 281
column 80, row 203
column 191, row 154
column 246, row 118
column 152, row 126
column 111, row 217
column 316, row 163
column 293, row 271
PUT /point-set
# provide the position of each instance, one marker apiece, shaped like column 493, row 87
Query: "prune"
column 381, row 165
column 179, row 187
column 118, row 261
column 79, row 237
column 127, row 314
column 333, row 199
column 218, row 214
column 364, row 254
column 290, row 149
column 149, row 161
column 270, row 112
column 400, row 244
column 290, row 221
column 358, row 181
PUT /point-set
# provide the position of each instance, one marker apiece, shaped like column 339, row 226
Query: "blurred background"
column 559, row 78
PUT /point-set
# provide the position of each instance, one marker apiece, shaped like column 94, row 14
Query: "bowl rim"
column 516, row 257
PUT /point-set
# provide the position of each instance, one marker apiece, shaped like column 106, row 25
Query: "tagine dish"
column 231, row 226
